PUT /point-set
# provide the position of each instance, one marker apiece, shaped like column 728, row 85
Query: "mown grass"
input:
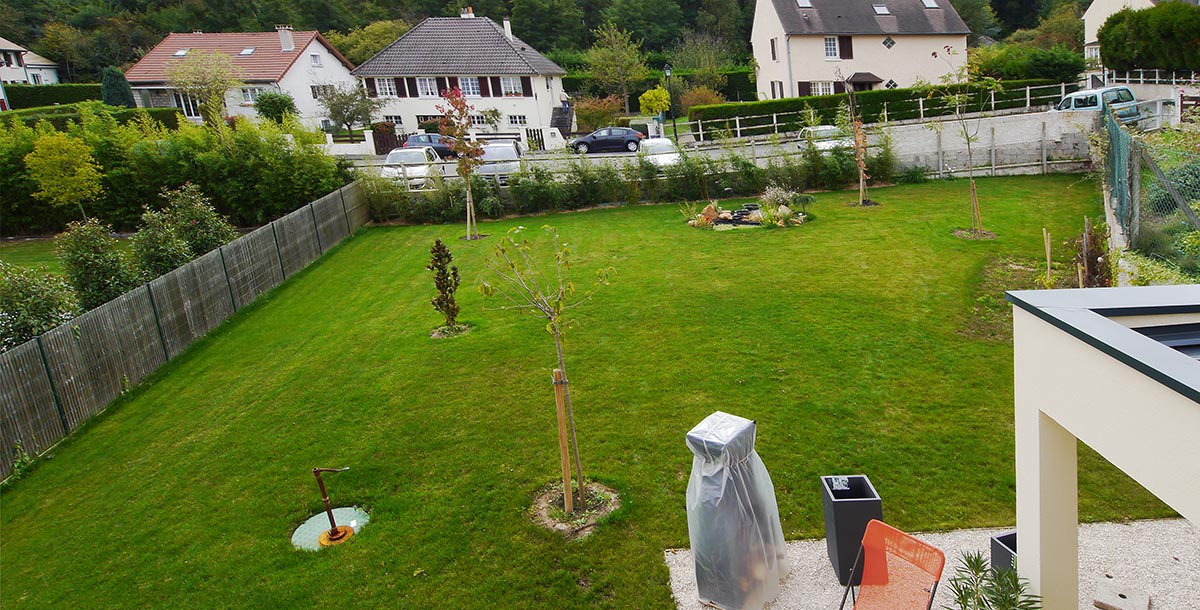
column 842, row 338
column 30, row 253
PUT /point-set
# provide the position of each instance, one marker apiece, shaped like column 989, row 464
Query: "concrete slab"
column 1159, row 557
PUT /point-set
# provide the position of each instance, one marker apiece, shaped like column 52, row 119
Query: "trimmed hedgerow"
column 32, row 96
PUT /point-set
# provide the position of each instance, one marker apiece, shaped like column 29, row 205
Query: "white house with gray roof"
column 493, row 68
column 802, row 46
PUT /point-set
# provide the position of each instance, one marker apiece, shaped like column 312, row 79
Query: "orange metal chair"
column 899, row 572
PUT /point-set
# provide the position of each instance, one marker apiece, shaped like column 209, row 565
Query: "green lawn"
column 30, row 253
column 849, row 340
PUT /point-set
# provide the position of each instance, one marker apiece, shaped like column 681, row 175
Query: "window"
column 428, row 118
column 831, row 47
column 774, row 53
column 822, row 87
column 250, row 94
column 188, row 105
column 469, row 85
column 517, row 120
column 804, row 3
column 427, row 87
column 320, row 91
column 316, row 59
column 385, row 87
column 394, row 119
column 35, row 78
column 889, row 42
column 776, row 89
column 930, row 3
column 181, row 52
column 881, row 9
column 248, row 51
column 891, row 84
column 510, row 86
column 477, row 120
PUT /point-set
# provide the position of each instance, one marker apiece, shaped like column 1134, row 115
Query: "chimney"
column 285, row 38
column 508, row 28
column 467, row 13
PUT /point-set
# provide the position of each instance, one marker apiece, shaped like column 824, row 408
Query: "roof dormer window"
column 930, row 3
column 804, row 3
column 881, row 9
column 181, row 52
column 248, row 51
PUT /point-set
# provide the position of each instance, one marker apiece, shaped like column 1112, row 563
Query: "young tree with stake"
column 456, row 124
column 445, row 279
column 528, row 289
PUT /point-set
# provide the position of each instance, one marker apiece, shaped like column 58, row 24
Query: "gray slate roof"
column 450, row 46
column 858, row 17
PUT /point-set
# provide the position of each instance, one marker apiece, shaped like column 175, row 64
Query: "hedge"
column 33, row 96
column 740, row 84
column 759, row 118
column 60, row 115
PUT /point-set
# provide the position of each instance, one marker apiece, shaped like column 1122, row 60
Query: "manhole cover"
column 308, row 535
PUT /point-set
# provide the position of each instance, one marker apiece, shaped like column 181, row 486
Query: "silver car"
column 500, row 160
column 412, row 165
column 662, row 152
column 825, row 138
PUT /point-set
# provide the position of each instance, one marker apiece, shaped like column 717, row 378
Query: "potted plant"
column 976, row 587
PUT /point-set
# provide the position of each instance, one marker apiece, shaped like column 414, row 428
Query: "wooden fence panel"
column 97, row 356
column 252, row 265
column 28, row 412
column 332, row 225
column 297, row 236
column 191, row 301
column 357, row 210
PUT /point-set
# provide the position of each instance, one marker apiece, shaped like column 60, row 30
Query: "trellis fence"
column 51, row 385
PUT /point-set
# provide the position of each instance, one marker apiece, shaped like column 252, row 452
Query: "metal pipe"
column 334, row 532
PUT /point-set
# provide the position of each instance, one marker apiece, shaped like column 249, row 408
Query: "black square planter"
column 847, row 512
column 1004, row 552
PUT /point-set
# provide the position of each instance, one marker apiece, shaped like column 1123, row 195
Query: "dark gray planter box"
column 847, row 512
column 1004, row 552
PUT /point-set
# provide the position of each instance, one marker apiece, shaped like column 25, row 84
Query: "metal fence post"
column 154, row 308
column 316, row 227
column 228, row 283
column 275, row 234
column 345, row 213
column 921, row 107
column 62, row 416
column 1043, row 148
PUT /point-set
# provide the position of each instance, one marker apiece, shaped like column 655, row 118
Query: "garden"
column 871, row 341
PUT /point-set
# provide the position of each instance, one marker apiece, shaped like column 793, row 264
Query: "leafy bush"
column 594, row 113
column 60, row 117
column 744, row 177
column 913, row 175
column 787, row 172
column 689, row 179
column 157, row 247
column 274, row 105
column 115, row 90
column 1017, row 61
column 700, row 96
column 882, row 164
column 535, row 189
column 31, row 96
column 654, row 101
column 31, row 303
column 839, row 169
column 1163, row 37
column 193, row 218
column 1186, row 179
column 93, row 264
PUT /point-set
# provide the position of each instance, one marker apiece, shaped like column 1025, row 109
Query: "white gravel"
column 1160, row 557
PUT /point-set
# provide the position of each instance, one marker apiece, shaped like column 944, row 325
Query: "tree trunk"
column 570, row 413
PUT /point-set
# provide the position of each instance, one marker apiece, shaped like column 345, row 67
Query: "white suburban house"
column 810, row 47
column 1100, row 10
column 19, row 65
column 493, row 68
column 301, row 64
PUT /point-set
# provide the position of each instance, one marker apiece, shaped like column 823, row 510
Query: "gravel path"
column 1160, row 557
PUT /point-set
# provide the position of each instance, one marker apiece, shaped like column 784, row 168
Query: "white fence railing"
column 1151, row 77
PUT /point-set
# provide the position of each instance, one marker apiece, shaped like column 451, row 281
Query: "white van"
column 1120, row 99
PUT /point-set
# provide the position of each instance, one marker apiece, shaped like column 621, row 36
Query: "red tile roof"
column 268, row 63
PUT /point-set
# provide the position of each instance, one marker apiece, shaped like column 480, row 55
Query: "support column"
column 1047, row 482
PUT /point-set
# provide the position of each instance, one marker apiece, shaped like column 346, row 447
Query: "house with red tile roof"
column 301, row 64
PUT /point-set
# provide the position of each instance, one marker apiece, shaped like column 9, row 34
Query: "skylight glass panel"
column 882, row 9
column 930, row 3
column 248, row 51
column 181, row 52
column 804, row 3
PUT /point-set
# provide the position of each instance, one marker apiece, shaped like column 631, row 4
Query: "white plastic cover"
column 733, row 520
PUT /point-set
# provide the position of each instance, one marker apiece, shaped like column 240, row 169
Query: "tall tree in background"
column 548, row 24
column 361, row 44
column 64, row 43
column 205, row 76
column 115, row 90
column 979, row 17
column 722, row 19
column 658, row 23
column 348, row 105
column 1062, row 27
column 616, row 61
column 1015, row 14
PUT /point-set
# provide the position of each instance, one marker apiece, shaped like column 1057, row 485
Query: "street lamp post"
column 671, row 103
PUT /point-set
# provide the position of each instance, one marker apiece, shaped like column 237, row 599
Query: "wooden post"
column 1027, row 97
column 737, row 123
column 921, row 107
column 1046, row 238
column 560, row 394
column 1087, row 235
column 775, row 121
column 940, row 159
